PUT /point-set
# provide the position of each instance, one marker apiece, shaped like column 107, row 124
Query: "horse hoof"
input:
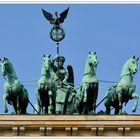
column 75, row 113
column 134, row 110
column 13, row 113
column 6, row 110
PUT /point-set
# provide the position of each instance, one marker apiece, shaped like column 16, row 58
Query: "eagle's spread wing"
column 48, row 16
column 63, row 15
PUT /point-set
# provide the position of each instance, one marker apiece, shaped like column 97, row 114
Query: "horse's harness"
column 125, row 75
column 10, row 75
column 13, row 95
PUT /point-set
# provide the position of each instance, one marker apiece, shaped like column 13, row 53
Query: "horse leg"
column 107, row 102
column 5, row 96
column 136, row 97
column 42, row 110
column 26, row 101
column 76, row 106
column 84, row 110
column 53, row 104
column 119, row 93
column 107, row 106
column 18, row 106
column 53, row 98
column 41, row 106
column 95, row 90
column 116, row 110
column 94, row 105
column 50, row 102
column 38, row 102
column 46, row 109
column 23, row 111
column 24, row 106
column 85, row 95
column 15, row 107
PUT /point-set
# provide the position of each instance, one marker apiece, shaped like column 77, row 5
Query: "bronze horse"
column 85, row 101
column 14, row 92
column 46, row 89
column 124, row 90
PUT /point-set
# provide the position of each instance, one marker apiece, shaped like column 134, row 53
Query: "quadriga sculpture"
column 124, row 90
column 14, row 92
column 86, row 97
column 46, row 90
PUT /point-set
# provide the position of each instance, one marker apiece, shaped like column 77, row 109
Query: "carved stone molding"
column 15, row 131
column 94, row 131
column 74, row 131
column 100, row 131
column 69, row 125
column 49, row 131
column 42, row 131
column 68, row 131
column 21, row 131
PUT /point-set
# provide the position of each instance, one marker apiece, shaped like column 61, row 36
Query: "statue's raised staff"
column 64, row 79
column 85, row 101
column 124, row 90
column 46, row 90
column 14, row 92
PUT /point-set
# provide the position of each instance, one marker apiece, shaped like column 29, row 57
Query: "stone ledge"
column 69, row 125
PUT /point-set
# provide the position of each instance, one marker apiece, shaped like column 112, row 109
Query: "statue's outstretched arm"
column 53, row 65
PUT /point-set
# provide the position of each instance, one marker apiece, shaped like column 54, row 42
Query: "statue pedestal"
column 69, row 125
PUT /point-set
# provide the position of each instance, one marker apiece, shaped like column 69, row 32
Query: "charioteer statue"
column 64, row 81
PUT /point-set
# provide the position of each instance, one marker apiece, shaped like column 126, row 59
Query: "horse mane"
column 12, row 71
column 43, row 66
column 87, row 70
column 125, row 69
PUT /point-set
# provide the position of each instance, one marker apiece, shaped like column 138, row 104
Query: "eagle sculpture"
column 56, row 21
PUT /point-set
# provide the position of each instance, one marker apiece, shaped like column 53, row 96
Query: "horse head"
column 92, row 59
column 5, row 66
column 47, row 63
column 133, row 65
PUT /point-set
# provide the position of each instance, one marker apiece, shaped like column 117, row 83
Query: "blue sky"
column 112, row 30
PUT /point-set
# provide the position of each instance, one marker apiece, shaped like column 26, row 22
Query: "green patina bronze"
column 14, row 92
column 85, row 101
column 55, row 91
column 63, row 78
column 64, row 81
column 57, row 33
column 124, row 90
column 46, row 90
